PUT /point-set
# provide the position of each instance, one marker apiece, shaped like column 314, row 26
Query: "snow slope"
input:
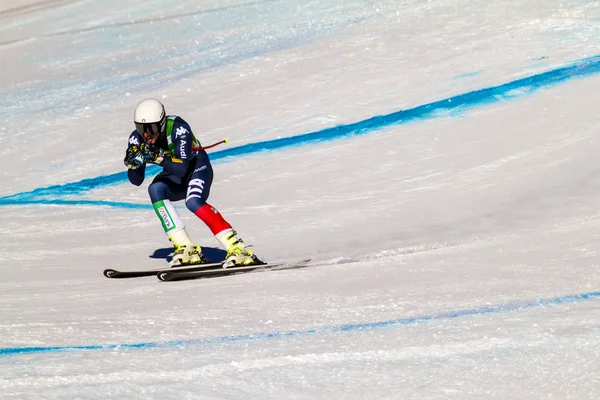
column 436, row 160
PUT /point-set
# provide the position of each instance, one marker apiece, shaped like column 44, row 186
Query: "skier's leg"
column 162, row 190
column 197, row 195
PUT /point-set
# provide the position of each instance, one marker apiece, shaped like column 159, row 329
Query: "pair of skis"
column 200, row 271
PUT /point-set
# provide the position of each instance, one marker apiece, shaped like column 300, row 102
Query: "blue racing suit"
column 187, row 172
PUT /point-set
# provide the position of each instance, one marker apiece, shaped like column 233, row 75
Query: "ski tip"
column 109, row 273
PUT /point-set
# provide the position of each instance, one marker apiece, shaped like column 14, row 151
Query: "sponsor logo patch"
column 164, row 214
column 181, row 131
column 182, row 149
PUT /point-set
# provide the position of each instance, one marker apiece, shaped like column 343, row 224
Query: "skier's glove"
column 133, row 157
column 152, row 154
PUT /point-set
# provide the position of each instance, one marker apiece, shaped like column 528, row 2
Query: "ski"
column 169, row 275
column 113, row 273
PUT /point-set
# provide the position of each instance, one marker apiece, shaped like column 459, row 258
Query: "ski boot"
column 187, row 254
column 237, row 254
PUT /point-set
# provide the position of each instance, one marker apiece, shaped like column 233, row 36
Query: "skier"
column 187, row 174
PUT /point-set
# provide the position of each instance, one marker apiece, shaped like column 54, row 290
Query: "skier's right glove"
column 152, row 154
column 133, row 157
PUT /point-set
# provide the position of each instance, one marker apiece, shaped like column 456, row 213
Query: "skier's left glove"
column 152, row 154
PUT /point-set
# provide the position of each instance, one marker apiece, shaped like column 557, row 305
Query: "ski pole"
column 211, row 145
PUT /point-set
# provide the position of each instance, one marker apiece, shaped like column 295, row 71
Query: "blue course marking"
column 507, row 91
column 94, row 203
column 367, row 326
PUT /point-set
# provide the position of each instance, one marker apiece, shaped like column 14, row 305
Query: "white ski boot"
column 185, row 251
column 237, row 254
column 187, row 254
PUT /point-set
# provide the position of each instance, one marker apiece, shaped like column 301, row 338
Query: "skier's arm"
column 176, row 168
column 177, row 163
column 136, row 176
column 136, row 167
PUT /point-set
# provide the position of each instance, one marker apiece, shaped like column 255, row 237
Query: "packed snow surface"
column 437, row 160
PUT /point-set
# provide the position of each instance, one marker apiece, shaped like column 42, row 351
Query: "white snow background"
column 439, row 161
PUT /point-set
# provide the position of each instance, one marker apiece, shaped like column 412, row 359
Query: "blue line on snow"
column 511, row 90
column 486, row 310
column 94, row 203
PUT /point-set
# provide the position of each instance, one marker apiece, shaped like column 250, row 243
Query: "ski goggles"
column 151, row 129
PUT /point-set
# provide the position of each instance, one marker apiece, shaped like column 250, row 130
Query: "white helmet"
column 150, row 117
